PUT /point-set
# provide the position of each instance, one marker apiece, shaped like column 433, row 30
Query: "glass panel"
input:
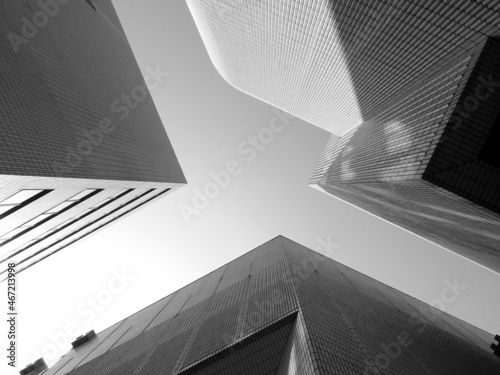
column 120, row 192
column 82, row 195
column 50, row 250
column 60, row 207
column 102, row 203
column 4, row 209
column 82, row 213
column 13, row 233
column 43, row 235
column 36, row 220
column 129, row 200
column 21, row 196
column 63, row 224
column 4, row 253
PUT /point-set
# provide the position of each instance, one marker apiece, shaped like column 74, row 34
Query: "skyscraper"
column 285, row 309
column 81, row 142
column 409, row 90
column 35, row 368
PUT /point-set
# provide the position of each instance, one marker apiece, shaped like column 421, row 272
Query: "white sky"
column 207, row 120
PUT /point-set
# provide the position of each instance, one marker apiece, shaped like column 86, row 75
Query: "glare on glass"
column 36, row 220
column 78, row 216
column 63, row 224
column 100, row 204
column 60, row 207
column 12, row 233
column 20, row 197
column 120, row 192
column 4, row 209
column 82, row 195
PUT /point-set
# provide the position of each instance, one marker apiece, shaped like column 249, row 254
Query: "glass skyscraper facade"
column 81, row 142
column 410, row 91
column 285, row 309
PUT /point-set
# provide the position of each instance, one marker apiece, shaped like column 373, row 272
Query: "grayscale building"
column 410, row 91
column 81, row 142
column 284, row 309
column 36, row 368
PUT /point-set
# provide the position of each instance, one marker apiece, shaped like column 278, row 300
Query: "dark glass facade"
column 337, row 64
column 431, row 168
column 76, row 116
column 74, row 101
column 410, row 91
column 284, row 309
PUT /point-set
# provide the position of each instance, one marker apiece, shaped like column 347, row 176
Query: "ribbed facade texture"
column 410, row 91
column 335, row 64
column 62, row 211
column 284, row 309
column 80, row 135
column 429, row 165
column 60, row 86
column 431, row 212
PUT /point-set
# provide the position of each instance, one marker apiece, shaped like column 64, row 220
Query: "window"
column 489, row 152
column 102, row 203
column 36, row 255
column 4, row 209
column 82, row 195
column 84, row 213
column 24, row 196
column 59, row 226
column 19, row 200
column 37, row 220
column 115, row 195
column 13, row 233
column 20, row 197
column 57, row 209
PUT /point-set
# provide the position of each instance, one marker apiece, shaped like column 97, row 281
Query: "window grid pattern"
column 48, row 215
column 399, row 141
column 258, row 355
column 42, row 253
column 340, row 319
column 335, row 63
column 456, row 164
column 67, row 223
column 445, row 151
column 12, row 204
column 431, row 212
column 56, row 121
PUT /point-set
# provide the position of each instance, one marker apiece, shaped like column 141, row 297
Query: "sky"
column 158, row 249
